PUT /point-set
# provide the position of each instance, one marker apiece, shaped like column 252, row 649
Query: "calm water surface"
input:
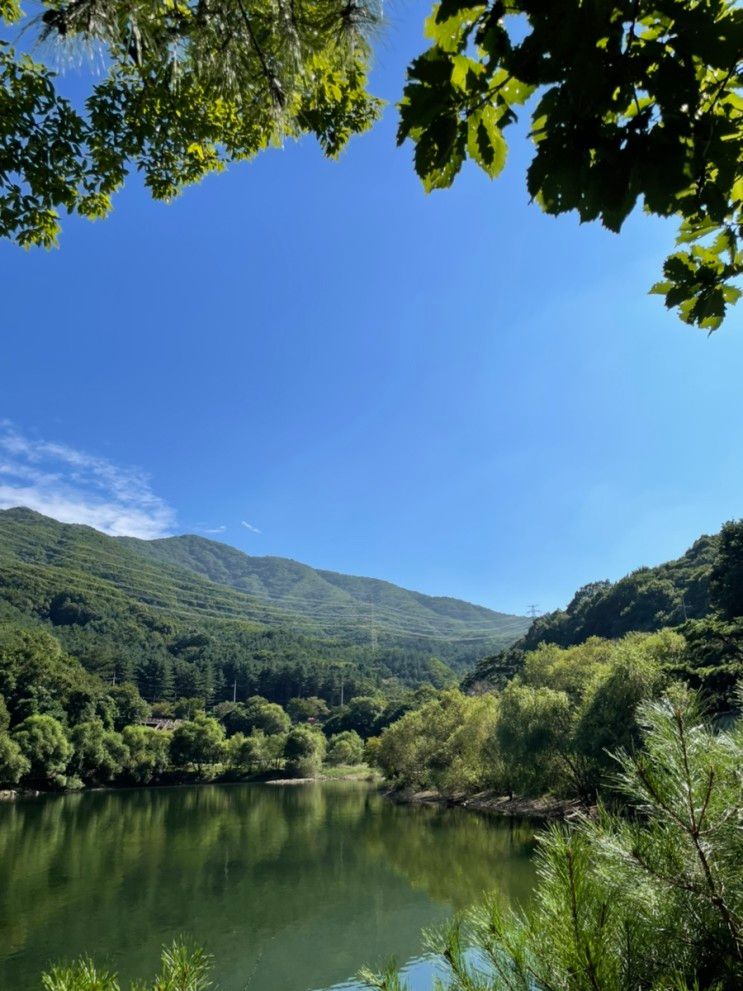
column 290, row 888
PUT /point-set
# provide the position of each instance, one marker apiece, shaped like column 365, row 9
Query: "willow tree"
column 190, row 86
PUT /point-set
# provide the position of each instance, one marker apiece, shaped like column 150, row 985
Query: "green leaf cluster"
column 190, row 87
column 630, row 101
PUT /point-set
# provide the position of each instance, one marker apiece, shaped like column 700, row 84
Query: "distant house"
column 158, row 722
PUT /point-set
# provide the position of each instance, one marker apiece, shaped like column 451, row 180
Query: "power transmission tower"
column 533, row 610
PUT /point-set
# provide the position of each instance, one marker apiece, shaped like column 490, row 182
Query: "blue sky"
column 452, row 392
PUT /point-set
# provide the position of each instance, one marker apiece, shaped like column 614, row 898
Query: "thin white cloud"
column 75, row 487
column 249, row 526
column 212, row 529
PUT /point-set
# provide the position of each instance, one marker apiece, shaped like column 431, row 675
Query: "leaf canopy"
column 190, row 87
column 630, row 101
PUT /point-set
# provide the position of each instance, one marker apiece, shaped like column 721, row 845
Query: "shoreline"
column 544, row 809
column 364, row 776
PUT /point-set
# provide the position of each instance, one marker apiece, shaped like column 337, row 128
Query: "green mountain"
column 358, row 607
column 186, row 615
column 645, row 600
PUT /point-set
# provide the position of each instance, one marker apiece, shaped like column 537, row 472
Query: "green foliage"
column 182, row 969
column 630, row 101
column 148, row 753
column 304, row 751
column 13, row 764
column 547, row 731
column 249, row 754
column 363, row 715
column 345, row 748
column 36, row 676
column 713, row 663
column 650, row 901
column 533, row 725
column 44, row 744
column 726, row 579
column 187, row 708
column 130, row 706
column 189, row 88
column 200, row 741
column 445, row 744
column 645, row 600
column 233, row 716
column 266, row 716
column 302, row 709
column 98, row 754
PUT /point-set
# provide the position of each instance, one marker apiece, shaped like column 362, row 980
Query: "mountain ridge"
column 283, row 580
column 42, row 560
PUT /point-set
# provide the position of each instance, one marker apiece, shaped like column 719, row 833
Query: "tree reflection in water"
column 290, row 888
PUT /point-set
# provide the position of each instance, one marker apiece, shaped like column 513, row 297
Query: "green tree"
column 190, row 87
column 726, row 578
column 534, row 725
column 304, row 751
column 187, row 708
column 248, row 753
column 364, row 714
column 131, row 708
column 266, row 716
column 155, row 678
column 302, row 709
column 13, row 764
column 233, row 716
column 200, row 741
column 446, row 744
column 148, row 753
column 98, row 754
column 345, row 748
column 630, row 101
column 44, row 744
column 37, row 676
column 609, row 718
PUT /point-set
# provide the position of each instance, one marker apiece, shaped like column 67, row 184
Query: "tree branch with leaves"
column 630, row 102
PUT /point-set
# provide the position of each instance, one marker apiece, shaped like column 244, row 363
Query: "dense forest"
column 675, row 594
column 188, row 617
column 99, row 635
column 95, row 643
column 547, row 715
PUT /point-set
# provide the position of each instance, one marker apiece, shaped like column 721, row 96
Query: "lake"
column 290, row 888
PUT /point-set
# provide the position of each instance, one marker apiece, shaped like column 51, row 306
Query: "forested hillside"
column 644, row 601
column 131, row 614
column 336, row 602
column 578, row 681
